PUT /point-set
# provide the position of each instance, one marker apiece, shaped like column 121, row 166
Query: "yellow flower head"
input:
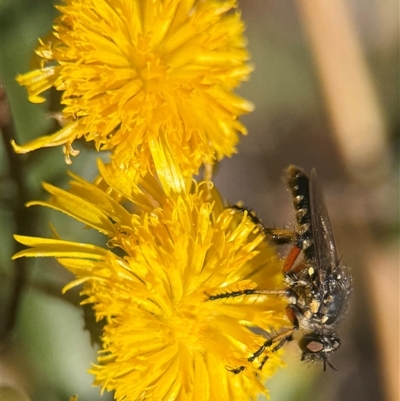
column 145, row 77
column 164, row 339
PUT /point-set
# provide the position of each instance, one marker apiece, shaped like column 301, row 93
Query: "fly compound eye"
column 312, row 344
column 315, row 347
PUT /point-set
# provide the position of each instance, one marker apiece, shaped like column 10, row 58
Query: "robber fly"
column 318, row 287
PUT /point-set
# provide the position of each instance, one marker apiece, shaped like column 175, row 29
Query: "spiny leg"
column 281, row 339
column 279, row 237
column 235, row 371
column 280, row 344
column 234, row 294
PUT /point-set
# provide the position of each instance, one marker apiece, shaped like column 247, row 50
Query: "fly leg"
column 300, row 240
column 277, row 235
column 276, row 348
column 279, row 339
column 234, row 294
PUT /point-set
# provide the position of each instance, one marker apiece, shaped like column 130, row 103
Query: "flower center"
column 188, row 326
column 148, row 63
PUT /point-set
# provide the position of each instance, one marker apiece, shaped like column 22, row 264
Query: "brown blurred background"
column 326, row 89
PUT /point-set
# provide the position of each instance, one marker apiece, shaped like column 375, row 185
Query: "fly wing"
column 327, row 263
column 324, row 241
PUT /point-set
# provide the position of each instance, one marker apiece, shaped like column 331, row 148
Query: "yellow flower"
column 145, row 79
column 163, row 338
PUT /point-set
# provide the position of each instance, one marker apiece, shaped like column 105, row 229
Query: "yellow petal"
column 37, row 81
column 168, row 171
column 65, row 135
column 78, row 208
column 46, row 247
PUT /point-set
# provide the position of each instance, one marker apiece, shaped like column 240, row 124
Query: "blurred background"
column 326, row 91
